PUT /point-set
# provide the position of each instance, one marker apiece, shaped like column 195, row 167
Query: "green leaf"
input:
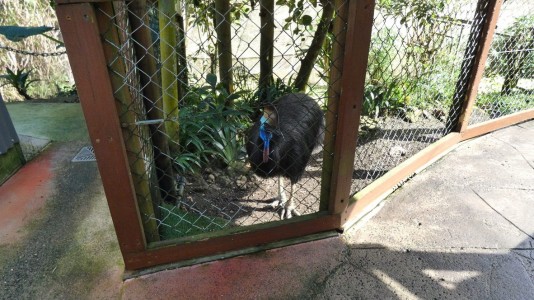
column 306, row 20
column 211, row 79
column 18, row 33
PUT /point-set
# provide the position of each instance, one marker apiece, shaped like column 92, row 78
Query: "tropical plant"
column 20, row 80
column 210, row 131
column 379, row 99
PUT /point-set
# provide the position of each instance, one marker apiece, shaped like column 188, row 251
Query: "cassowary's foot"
column 282, row 202
column 287, row 208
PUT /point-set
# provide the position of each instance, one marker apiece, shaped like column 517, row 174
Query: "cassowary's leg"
column 282, row 199
column 288, row 210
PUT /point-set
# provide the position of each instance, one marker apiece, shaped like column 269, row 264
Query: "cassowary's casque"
column 281, row 142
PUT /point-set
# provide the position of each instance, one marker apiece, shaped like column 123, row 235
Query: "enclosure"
column 171, row 90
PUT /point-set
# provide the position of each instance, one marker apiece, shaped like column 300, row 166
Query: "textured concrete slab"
column 442, row 274
column 31, row 146
column 526, row 125
column 515, row 206
column 423, row 217
column 69, row 249
column 485, row 162
column 526, row 257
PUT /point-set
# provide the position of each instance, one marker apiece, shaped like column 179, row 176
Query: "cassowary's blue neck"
column 265, row 137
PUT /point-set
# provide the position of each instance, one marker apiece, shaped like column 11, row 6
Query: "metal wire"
column 214, row 187
column 417, row 73
column 188, row 163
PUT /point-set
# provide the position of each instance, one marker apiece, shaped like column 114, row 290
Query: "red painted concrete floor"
column 23, row 195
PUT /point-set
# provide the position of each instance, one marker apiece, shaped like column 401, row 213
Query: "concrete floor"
column 461, row 229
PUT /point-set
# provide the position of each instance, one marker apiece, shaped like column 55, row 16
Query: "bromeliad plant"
column 19, row 80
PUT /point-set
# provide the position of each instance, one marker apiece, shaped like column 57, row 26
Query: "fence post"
column 467, row 86
column 86, row 56
column 357, row 44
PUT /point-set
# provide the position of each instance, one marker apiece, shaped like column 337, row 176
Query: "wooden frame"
column 491, row 125
column 88, row 58
column 486, row 38
column 358, row 41
column 93, row 83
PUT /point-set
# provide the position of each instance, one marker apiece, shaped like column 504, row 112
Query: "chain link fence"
column 507, row 85
column 191, row 81
column 417, row 75
column 189, row 86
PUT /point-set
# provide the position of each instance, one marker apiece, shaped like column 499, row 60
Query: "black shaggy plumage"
column 297, row 127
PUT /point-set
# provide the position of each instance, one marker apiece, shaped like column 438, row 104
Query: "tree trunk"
column 224, row 44
column 183, row 73
column 169, row 84
column 24, row 94
column 308, row 62
column 266, row 47
column 151, row 94
column 135, row 137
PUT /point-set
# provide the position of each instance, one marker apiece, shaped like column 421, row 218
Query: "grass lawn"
column 54, row 121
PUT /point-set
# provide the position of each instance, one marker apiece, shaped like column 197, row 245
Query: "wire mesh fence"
column 199, row 87
column 193, row 81
column 507, row 85
column 417, row 74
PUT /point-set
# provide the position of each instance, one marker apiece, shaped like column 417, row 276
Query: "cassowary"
column 281, row 143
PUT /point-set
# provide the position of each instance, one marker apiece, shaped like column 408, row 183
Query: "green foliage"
column 19, row 80
column 386, row 91
column 274, row 91
column 296, row 15
column 65, row 89
column 513, row 48
column 496, row 104
column 210, row 131
column 423, row 12
column 410, row 66
column 383, row 98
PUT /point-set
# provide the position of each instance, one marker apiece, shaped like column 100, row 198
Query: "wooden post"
column 334, row 90
column 129, row 105
column 467, row 90
column 223, row 27
column 86, row 56
column 358, row 40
